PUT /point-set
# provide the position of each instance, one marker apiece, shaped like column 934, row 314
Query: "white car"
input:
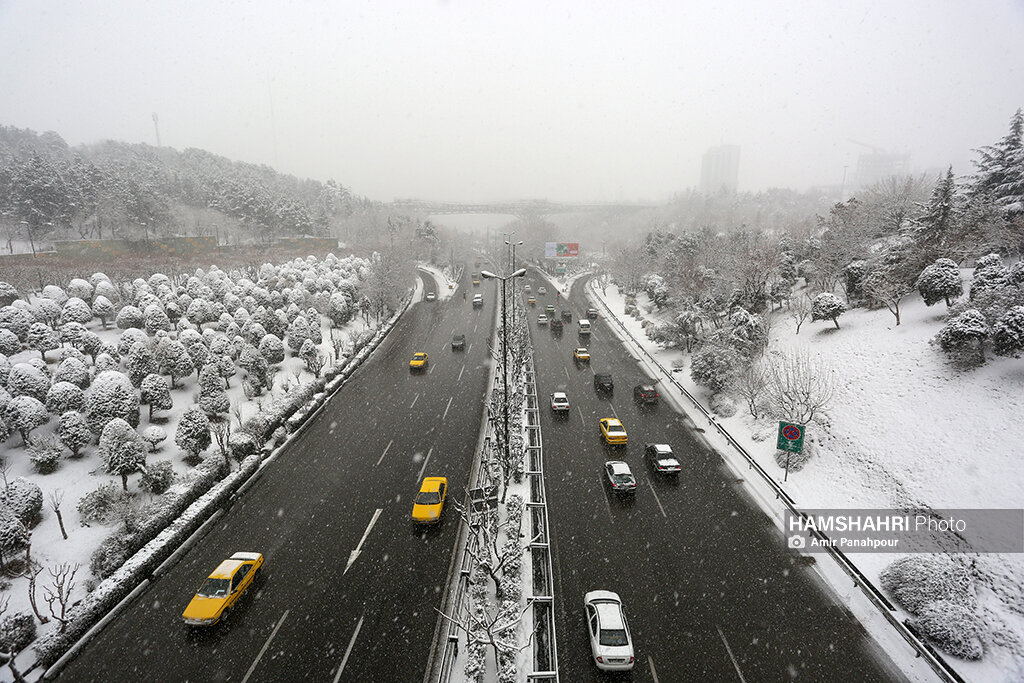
column 542, row 319
column 431, row 296
column 527, row 288
column 559, row 402
column 542, row 290
column 610, row 641
column 662, row 458
column 620, row 477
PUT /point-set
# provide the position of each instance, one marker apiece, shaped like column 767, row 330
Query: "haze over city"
column 484, row 101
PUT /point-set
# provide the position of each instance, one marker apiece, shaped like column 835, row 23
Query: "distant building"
column 720, row 169
column 874, row 167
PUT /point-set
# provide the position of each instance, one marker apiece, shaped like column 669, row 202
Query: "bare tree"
column 222, row 435
column 800, row 309
column 888, row 288
column 9, row 656
column 55, row 498
column 751, row 384
column 32, row 571
column 799, row 386
column 63, row 583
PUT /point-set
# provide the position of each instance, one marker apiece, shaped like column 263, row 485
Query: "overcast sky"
column 477, row 100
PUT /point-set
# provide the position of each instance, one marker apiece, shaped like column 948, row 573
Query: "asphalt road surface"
column 346, row 483
column 710, row 591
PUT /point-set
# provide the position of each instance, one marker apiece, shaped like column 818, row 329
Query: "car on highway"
column 560, row 402
column 542, row 290
column 431, row 296
column 419, row 361
column 221, row 591
column 429, row 502
column 478, row 300
column 603, row 382
column 556, row 325
column 610, row 642
column 527, row 288
column 476, row 282
column 613, row 432
column 581, row 355
column 542, row 319
column 459, row 342
column 532, row 301
column 550, row 310
column 592, row 313
column 583, row 327
column 662, row 458
column 645, row 394
column 567, row 315
column 620, row 478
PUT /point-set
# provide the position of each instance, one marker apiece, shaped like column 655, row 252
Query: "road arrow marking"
column 355, row 553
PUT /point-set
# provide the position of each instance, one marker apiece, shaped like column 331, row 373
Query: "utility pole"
column 156, row 125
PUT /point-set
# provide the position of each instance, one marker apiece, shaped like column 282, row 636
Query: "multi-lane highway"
column 346, row 483
column 710, row 591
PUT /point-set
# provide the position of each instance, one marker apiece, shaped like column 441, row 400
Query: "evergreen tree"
column 1008, row 333
column 175, row 361
column 156, row 394
column 42, row 338
column 272, row 349
column 940, row 281
column 73, row 432
column 111, row 396
column 25, row 413
column 963, row 337
column 64, row 396
column 140, row 363
column 193, row 433
column 212, row 398
column 102, row 309
column 827, row 306
column 1001, row 168
column 76, row 311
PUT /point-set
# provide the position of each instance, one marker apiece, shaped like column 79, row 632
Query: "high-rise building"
column 720, row 169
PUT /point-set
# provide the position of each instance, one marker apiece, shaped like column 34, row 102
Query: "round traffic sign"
column 791, row 432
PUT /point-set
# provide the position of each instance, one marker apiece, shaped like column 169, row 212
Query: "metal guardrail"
column 924, row 649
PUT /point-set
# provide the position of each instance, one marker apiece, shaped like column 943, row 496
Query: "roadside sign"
column 791, row 437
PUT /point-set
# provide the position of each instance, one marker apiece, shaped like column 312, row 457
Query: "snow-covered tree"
column 156, row 393
column 13, row 536
column 153, row 436
column 45, row 452
column 197, row 351
column 91, row 343
column 24, row 498
column 1008, row 333
column 47, row 311
column 81, row 289
column 140, row 363
column 25, row 413
column 989, row 274
column 156, row 319
column 940, row 281
column 9, row 342
column 102, row 309
column 64, row 396
column 714, row 366
column 963, row 337
column 8, row 294
column 73, row 431
column 316, row 333
column 312, row 357
column 42, row 338
column 1001, row 168
column 76, row 311
column 105, row 289
column 827, row 306
column 158, row 477
column 886, row 286
column 213, row 400
column 128, row 458
column 193, row 433
column 25, row 379
column 17, row 320
column 72, row 333
column 298, row 332
column 129, row 339
column 103, row 363
column 175, row 361
column 111, row 396
column 272, row 349
column 55, row 293
column 130, row 317
column 340, row 309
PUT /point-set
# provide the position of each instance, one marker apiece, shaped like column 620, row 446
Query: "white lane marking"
column 348, row 650
column 447, row 408
column 612, row 406
column 460, row 373
column 355, row 553
column 414, row 401
column 729, row 650
column 385, row 452
column 425, row 461
column 581, row 415
column 265, row 646
column 604, row 494
column 656, row 499
column 566, row 371
column 650, row 663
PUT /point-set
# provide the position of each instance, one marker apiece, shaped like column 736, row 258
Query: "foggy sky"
column 476, row 100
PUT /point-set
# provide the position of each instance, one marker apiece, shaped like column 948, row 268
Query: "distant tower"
column 156, row 125
column 720, row 169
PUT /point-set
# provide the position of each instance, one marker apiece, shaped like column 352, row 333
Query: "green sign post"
column 791, row 440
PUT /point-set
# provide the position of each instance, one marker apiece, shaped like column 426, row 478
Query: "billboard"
column 561, row 249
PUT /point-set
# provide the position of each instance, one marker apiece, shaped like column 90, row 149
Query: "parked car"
column 645, row 394
column 429, row 502
column 556, row 324
column 662, row 458
column 559, row 402
column 419, row 361
column 620, row 478
column 610, row 642
column 613, row 431
column 478, row 300
column 542, row 290
column 221, row 591
column 542, row 319
column 567, row 315
column 581, row 355
column 592, row 313
column 431, row 296
column 603, row 382
column 459, row 342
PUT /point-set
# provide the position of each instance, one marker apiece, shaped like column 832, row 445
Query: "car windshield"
column 622, row 478
column 428, row 498
column 215, row 588
column 615, row 428
column 614, row 636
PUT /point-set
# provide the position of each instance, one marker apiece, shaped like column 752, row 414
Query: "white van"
column 584, row 326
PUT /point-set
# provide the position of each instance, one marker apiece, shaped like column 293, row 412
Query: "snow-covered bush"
column 25, row 413
column 105, row 289
column 989, row 273
column 153, row 436
column 9, row 342
column 47, row 311
column 298, row 332
column 102, row 505
column 129, row 339
column 80, row 288
column 76, row 311
column 112, row 552
column 213, row 399
column 714, row 366
column 73, row 431
column 193, row 433
column 45, row 452
column 827, row 306
column 954, row 627
column 175, row 361
column 102, row 309
column 13, row 533
column 158, row 477
column 722, row 405
column 1008, row 333
column 111, row 396
column 105, row 362
column 795, row 462
column 25, row 500
column 963, row 337
column 242, row 445
column 917, row 580
column 17, row 631
column 129, row 317
column 156, row 394
column 140, row 363
column 156, row 319
column 8, row 294
column 42, row 338
column 272, row 349
column 17, row 320
column 940, row 282
column 72, row 371
column 26, row 379
column 64, row 396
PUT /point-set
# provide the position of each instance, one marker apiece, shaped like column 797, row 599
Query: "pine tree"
column 193, row 433
column 156, row 394
column 1008, row 333
column 827, row 306
column 213, row 400
column 1001, row 168
column 25, row 413
column 73, row 432
column 175, row 361
column 940, row 281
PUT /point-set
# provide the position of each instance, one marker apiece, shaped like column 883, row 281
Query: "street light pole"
column 512, row 265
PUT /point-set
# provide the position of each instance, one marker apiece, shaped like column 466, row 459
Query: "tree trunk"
column 896, row 308
column 836, row 321
column 124, row 482
column 60, row 521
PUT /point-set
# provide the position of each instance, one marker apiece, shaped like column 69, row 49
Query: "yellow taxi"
column 429, row 502
column 613, row 432
column 581, row 355
column 476, row 282
column 222, row 589
column 419, row 361
column 532, row 301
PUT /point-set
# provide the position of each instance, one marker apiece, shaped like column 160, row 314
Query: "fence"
column 923, row 648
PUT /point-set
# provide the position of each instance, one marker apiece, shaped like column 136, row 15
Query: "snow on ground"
column 904, row 428
column 446, row 286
